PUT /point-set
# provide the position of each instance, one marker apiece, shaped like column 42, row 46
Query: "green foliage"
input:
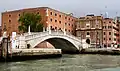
column 34, row 20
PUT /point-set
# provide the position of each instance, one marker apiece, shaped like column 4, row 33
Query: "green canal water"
column 67, row 63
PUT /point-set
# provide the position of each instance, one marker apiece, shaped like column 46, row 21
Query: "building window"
column 69, row 18
column 56, row 28
column 88, row 33
column 109, row 21
column 69, row 24
column 104, row 33
column 72, row 31
column 60, row 22
column 109, row 33
column 55, row 20
column 55, row 14
column 65, row 29
column 60, row 16
column 59, row 28
column 9, row 15
column 109, row 38
column 69, row 30
column 88, row 26
column 109, row 45
column 105, row 27
column 87, row 18
column 65, row 17
column 97, row 33
column 37, row 12
column 110, row 27
column 114, row 39
column 50, row 27
column 105, row 45
column 104, row 38
column 51, row 20
column 72, row 25
column 50, row 13
column 114, row 22
column 72, row 19
column 9, row 21
column 65, row 23
column 19, row 15
column 104, row 22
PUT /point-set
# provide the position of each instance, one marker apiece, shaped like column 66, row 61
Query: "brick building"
column 90, row 29
column 117, row 20
column 99, row 30
column 110, row 32
column 50, row 18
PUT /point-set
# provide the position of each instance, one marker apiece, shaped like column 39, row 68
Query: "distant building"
column 90, row 28
column 117, row 21
column 54, row 19
column 110, row 32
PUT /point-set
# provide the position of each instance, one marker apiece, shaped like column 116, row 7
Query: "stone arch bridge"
column 60, row 40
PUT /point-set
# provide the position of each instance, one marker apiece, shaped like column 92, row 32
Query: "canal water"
column 67, row 63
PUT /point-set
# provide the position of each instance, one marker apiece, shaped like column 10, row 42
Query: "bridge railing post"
column 49, row 31
column 64, row 32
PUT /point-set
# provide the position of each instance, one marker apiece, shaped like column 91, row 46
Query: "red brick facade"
column 109, row 32
column 50, row 17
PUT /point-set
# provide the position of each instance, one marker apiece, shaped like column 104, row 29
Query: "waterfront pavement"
column 35, row 51
column 30, row 54
column 112, row 51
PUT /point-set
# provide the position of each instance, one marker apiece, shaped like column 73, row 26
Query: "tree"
column 30, row 19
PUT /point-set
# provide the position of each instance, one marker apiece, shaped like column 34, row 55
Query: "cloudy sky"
column 77, row 7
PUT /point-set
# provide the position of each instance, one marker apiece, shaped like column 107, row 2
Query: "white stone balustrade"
column 22, row 40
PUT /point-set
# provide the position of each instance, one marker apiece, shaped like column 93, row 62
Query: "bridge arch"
column 60, row 42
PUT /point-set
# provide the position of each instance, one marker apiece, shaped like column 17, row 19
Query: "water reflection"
column 66, row 63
